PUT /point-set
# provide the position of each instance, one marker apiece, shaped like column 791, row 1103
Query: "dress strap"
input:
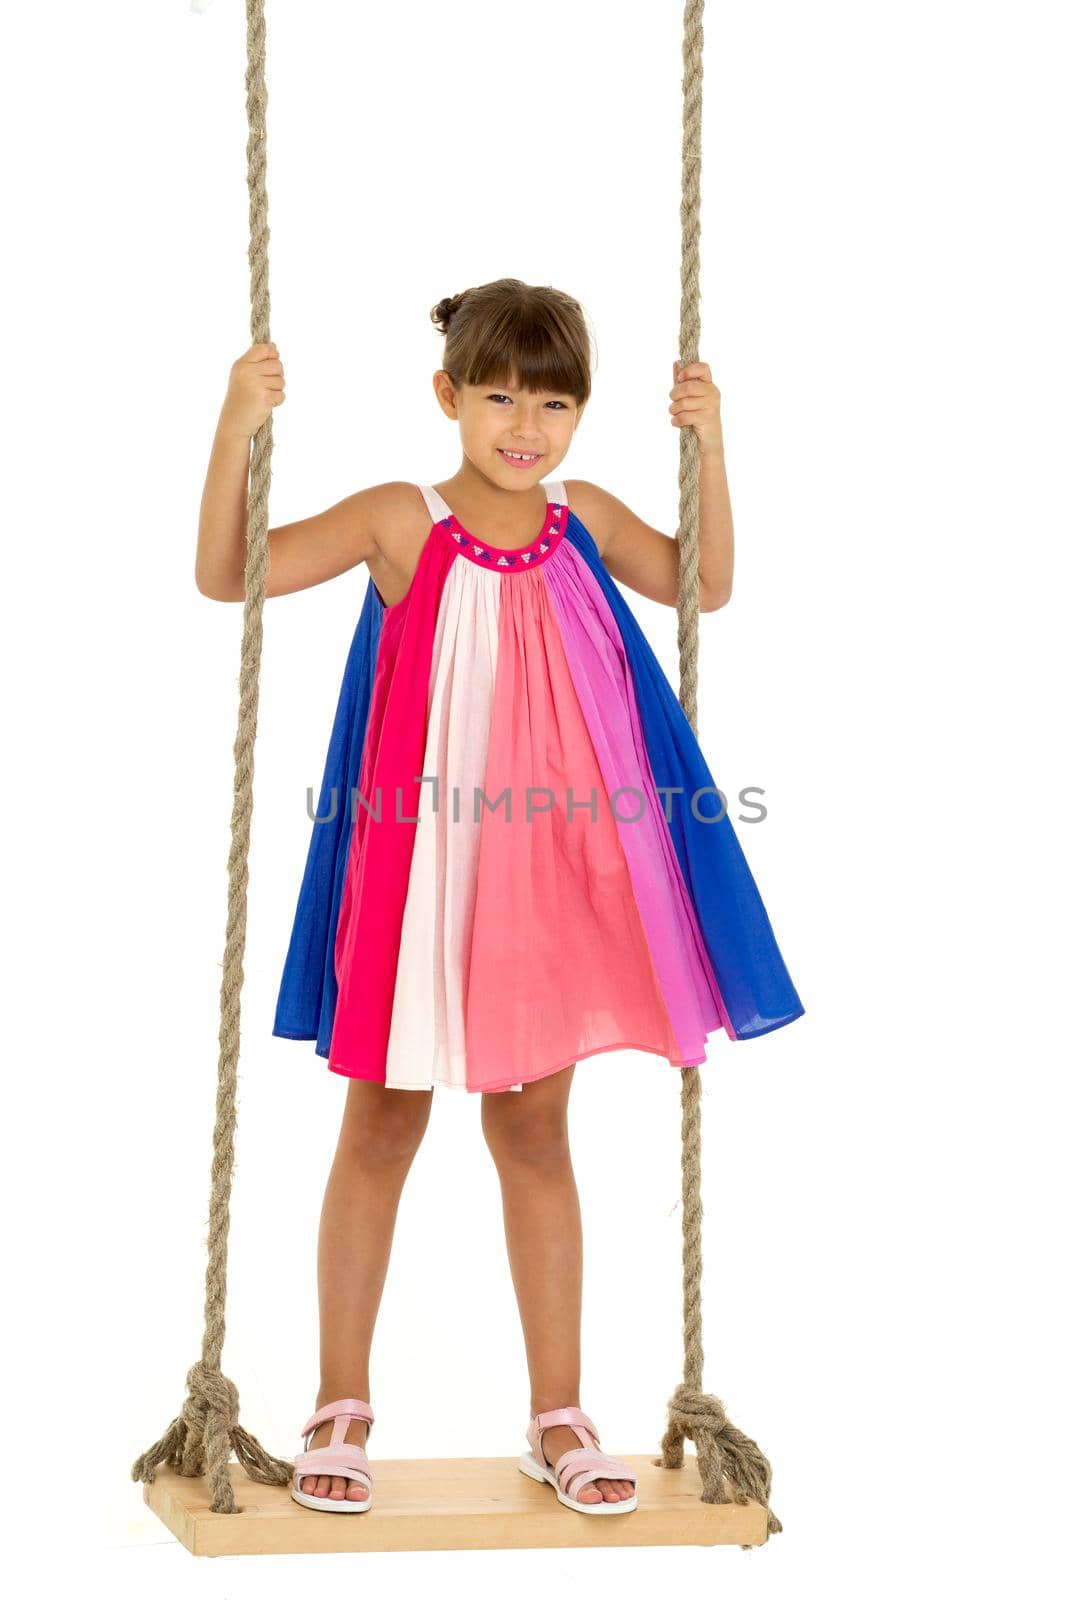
column 436, row 505
column 556, row 492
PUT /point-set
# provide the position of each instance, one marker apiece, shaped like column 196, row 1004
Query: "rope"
column 725, row 1456
column 202, row 1435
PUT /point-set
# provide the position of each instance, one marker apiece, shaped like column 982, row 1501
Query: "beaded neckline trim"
column 533, row 554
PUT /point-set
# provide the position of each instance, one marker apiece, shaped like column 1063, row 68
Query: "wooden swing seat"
column 437, row 1504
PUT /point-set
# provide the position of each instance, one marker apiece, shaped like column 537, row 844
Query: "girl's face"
column 501, row 427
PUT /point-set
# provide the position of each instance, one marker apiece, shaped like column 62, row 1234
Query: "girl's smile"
column 520, row 459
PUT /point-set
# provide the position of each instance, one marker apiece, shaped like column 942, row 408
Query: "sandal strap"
column 340, row 1461
column 577, row 1468
column 341, row 1412
column 564, row 1416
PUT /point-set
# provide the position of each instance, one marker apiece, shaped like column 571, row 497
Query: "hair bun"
column 445, row 310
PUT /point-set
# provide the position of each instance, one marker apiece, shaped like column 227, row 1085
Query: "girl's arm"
column 301, row 553
column 637, row 554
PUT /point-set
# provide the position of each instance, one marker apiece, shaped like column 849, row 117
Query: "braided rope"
column 723, row 1453
column 202, row 1435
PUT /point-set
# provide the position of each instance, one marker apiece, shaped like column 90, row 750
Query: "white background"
column 882, row 311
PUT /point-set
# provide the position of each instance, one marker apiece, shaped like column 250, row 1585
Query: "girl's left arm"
column 639, row 555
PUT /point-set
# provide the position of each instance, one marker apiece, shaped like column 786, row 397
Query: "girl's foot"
column 555, row 1440
column 328, row 1486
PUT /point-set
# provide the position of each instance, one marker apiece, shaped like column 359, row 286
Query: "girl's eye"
column 561, row 403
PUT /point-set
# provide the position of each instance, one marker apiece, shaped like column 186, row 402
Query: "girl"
column 519, row 858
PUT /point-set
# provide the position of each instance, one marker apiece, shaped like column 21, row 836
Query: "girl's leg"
column 380, row 1132
column 527, row 1136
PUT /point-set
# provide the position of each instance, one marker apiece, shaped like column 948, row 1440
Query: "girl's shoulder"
column 594, row 508
column 399, row 515
column 398, row 523
column 397, row 503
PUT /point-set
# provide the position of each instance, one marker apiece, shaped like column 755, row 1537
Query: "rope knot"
column 724, row 1454
column 696, row 1412
column 203, row 1436
column 210, row 1393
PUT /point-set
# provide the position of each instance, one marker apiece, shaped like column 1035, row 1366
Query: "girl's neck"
column 518, row 514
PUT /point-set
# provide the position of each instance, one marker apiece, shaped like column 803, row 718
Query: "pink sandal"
column 577, row 1468
column 336, row 1459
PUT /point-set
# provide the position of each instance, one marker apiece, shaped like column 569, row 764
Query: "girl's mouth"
column 519, row 458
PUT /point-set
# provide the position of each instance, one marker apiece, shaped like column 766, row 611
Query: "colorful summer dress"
column 519, row 858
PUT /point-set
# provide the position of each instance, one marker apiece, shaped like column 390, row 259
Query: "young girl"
column 519, row 859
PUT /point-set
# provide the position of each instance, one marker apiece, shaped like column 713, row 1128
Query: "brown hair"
column 507, row 328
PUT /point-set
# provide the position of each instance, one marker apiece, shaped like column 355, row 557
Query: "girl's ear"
column 444, row 390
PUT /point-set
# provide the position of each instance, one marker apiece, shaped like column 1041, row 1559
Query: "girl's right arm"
column 301, row 553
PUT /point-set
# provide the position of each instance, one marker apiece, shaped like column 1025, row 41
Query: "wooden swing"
column 720, row 1495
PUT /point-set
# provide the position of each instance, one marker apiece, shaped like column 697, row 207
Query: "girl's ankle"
column 346, row 1390
column 537, row 1406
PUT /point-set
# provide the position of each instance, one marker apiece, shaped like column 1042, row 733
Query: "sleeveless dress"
column 518, row 858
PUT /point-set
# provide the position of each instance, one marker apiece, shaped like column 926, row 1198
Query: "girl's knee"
column 385, row 1124
column 528, row 1134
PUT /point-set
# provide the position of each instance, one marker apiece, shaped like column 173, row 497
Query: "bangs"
column 529, row 348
